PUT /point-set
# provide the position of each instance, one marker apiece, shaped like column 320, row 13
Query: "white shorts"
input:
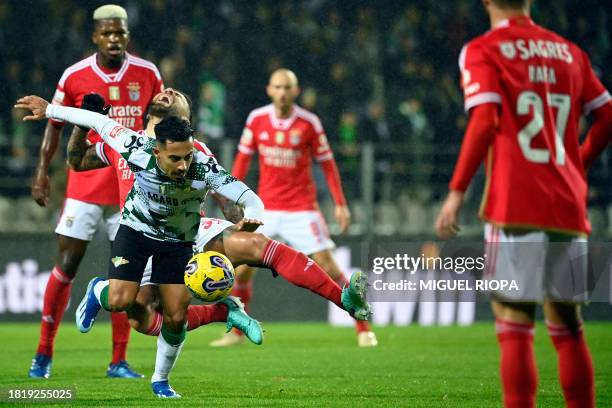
column 542, row 267
column 305, row 231
column 80, row 220
column 209, row 228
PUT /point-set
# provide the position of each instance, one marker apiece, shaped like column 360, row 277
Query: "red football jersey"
column 543, row 82
column 129, row 90
column 125, row 176
column 286, row 148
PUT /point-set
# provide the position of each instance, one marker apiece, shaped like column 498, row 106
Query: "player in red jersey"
column 287, row 138
column 525, row 89
column 129, row 83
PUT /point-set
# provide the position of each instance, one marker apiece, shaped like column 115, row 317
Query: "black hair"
column 173, row 129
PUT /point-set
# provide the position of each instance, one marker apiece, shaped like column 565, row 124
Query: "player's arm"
column 231, row 211
column 324, row 156
column 81, row 154
column 599, row 135
column 40, row 184
column 240, row 194
column 111, row 132
column 481, row 129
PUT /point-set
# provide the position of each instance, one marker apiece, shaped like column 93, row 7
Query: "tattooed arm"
column 81, row 155
column 232, row 212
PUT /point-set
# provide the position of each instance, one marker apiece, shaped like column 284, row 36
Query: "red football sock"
column 300, row 270
column 518, row 369
column 575, row 366
column 360, row 325
column 199, row 315
column 121, row 336
column 243, row 290
column 55, row 300
column 156, row 325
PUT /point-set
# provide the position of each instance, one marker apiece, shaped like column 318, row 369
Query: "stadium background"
column 382, row 76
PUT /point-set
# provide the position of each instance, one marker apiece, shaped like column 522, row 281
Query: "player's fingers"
column 30, row 117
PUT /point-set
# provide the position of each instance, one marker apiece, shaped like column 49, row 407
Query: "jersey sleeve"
column 62, row 96
column 106, row 153
column 594, row 94
column 479, row 77
column 248, row 142
column 319, row 144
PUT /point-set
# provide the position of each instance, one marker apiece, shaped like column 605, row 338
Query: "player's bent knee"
column 120, row 301
column 175, row 320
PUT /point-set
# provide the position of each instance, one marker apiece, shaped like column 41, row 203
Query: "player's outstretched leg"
column 95, row 296
column 297, row 268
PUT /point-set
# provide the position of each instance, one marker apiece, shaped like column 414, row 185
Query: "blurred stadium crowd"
column 378, row 72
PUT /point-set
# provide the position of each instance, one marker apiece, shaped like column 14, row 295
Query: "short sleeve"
column 247, row 140
column 594, row 94
column 62, row 97
column 319, row 143
column 479, row 77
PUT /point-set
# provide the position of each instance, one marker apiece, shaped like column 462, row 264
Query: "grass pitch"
column 299, row 365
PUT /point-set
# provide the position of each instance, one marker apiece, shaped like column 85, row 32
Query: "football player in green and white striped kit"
column 161, row 219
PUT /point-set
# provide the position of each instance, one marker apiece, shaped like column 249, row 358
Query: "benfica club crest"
column 294, row 137
column 134, row 91
column 508, row 50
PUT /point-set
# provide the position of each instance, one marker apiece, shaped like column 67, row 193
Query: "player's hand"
column 248, row 225
column 35, row 104
column 40, row 188
column 446, row 223
column 343, row 217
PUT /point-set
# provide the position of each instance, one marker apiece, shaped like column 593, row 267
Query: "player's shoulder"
column 259, row 113
column 202, row 149
column 309, row 117
column 143, row 64
column 73, row 70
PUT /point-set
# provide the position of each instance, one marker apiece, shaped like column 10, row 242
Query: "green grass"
column 299, row 365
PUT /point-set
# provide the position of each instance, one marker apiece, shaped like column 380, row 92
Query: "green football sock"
column 174, row 338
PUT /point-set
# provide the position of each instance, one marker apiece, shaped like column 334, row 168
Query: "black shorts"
column 131, row 250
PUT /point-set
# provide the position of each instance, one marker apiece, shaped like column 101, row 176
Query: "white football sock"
column 98, row 287
column 165, row 358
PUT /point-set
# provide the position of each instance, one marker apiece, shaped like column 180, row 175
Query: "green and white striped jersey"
column 158, row 206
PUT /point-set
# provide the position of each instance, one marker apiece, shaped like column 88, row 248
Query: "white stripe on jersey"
column 597, row 102
column 481, row 98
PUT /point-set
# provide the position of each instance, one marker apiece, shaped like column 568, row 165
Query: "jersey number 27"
column 525, row 102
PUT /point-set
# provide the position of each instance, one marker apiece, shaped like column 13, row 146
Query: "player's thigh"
column 306, row 231
column 518, row 258
column 174, row 300
column 79, row 219
column 240, row 247
column 122, row 294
